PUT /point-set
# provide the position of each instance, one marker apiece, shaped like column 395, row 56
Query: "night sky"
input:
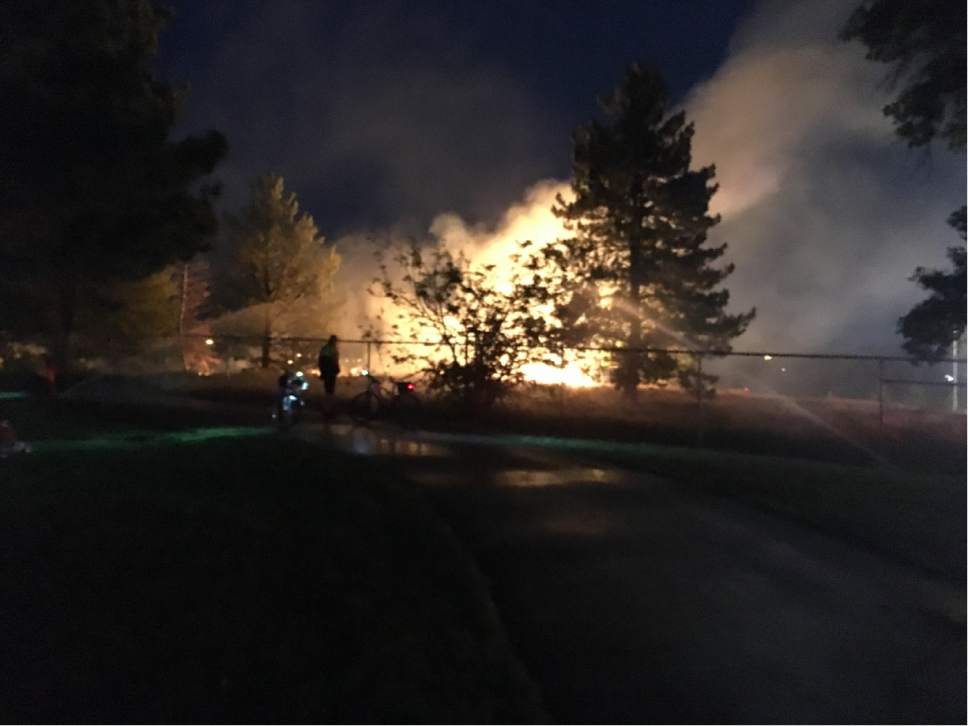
column 383, row 116
column 380, row 112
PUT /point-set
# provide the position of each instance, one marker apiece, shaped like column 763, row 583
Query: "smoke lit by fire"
column 529, row 220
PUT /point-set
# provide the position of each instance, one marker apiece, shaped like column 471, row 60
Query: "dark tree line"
column 934, row 323
column 638, row 271
column 93, row 189
column 103, row 215
column 923, row 42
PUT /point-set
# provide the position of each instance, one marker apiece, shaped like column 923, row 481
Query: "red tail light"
column 409, row 386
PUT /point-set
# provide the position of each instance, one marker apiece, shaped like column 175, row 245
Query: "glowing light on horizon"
column 497, row 247
column 570, row 375
column 532, row 221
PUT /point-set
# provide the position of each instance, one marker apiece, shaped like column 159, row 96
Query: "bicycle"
column 399, row 400
column 291, row 401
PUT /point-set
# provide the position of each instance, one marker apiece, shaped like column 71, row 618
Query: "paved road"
column 635, row 599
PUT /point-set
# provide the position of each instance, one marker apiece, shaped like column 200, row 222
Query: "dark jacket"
column 329, row 360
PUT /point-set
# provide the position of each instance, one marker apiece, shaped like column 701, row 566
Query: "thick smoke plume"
column 825, row 211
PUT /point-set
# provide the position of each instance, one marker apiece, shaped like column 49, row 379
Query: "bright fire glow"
column 571, row 375
column 531, row 220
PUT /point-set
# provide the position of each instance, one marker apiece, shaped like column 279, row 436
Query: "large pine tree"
column 638, row 270
column 278, row 266
column 93, row 189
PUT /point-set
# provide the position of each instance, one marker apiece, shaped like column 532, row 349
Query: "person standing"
column 328, row 370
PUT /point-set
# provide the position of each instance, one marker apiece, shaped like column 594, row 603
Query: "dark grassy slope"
column 238, row 579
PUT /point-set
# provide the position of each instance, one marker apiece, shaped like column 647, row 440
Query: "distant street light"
column 209, row 341
column 767, row 357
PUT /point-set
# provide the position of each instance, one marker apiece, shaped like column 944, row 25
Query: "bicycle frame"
column 376, row 387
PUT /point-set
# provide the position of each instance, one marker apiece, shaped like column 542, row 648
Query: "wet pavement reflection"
column 372, row 441
column 661, row 593
column 482, row 459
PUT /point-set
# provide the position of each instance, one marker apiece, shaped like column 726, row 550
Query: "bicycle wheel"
column 364, row 407
column 406, row 408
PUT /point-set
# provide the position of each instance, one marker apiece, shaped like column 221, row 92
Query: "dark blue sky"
column 385, row 112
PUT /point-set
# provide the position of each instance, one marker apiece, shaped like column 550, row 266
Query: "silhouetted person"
column 328, row 370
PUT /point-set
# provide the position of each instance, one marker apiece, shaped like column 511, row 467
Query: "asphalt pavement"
column 634, row 599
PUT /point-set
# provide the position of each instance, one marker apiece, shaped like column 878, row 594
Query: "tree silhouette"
column 637, row 271
column 931, row 326
column 92, row 190
column 924, row 42
column 485, row 330
column 278, row 262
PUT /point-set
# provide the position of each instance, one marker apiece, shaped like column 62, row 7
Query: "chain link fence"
column 888, row 382
column 863, row 402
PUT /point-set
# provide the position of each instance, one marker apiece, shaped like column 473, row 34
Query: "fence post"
column 880, row 396
column 699, row 396
column 954, row 377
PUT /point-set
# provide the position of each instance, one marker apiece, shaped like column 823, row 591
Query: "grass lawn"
column 241, row 577
column 828, row 429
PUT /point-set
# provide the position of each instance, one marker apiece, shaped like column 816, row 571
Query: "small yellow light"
column 289, row 361
column 209, row 341
column 299, row 355
column 767, row 357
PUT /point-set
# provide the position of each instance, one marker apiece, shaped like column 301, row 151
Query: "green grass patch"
column 214, row 578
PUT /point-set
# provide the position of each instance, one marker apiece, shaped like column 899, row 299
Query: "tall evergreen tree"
column 638, row 270
column 279, row 267
column 143, row 310
column 92, row 189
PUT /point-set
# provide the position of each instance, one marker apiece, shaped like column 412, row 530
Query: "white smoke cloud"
column 825, row 211
column 765, row 106
column 530, row 218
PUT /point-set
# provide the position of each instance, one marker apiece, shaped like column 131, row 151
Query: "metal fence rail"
column 890, row 380
column 885, row 397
